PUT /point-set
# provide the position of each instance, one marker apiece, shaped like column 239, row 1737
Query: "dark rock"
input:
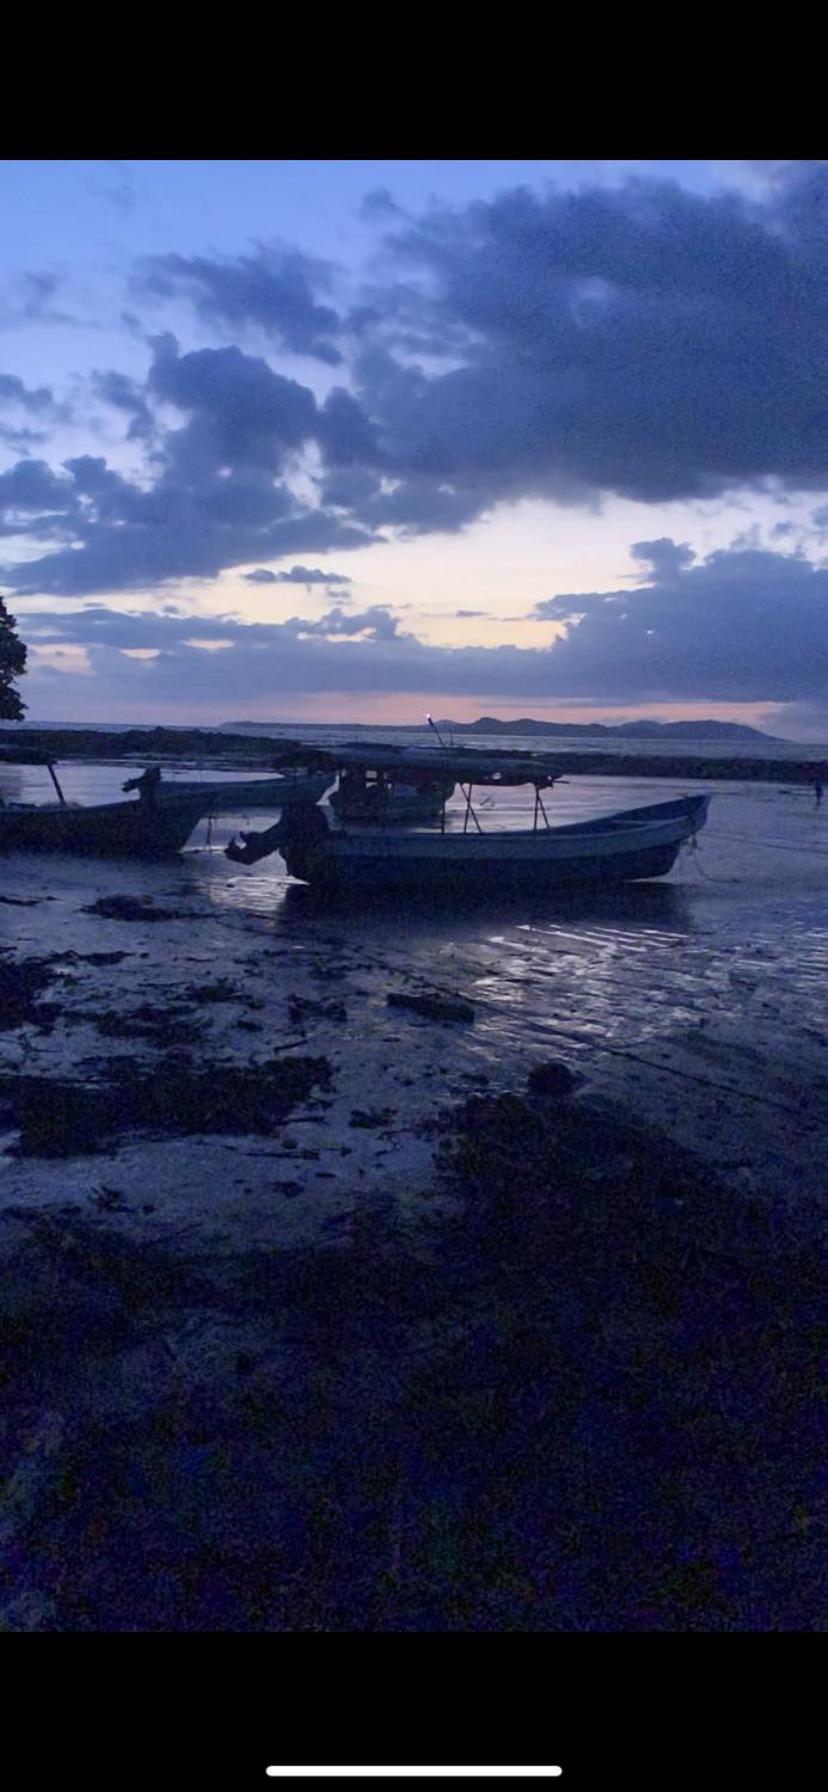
column 435, row 1006
column 20, row 984
column 58, row 1118
column 135, row 908
column 159, row 1026
column 371, row 1117
column 302, row 1008
column 90, row 957
column 222, row 991
column 551, row 1079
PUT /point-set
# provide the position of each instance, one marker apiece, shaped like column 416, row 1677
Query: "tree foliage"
column 12, row 664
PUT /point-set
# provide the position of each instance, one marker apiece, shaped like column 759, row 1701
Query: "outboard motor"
column 298, row 829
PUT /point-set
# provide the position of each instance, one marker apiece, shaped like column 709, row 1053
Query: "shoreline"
column 256, row 752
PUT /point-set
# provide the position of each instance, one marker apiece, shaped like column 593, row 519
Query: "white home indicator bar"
column 413, row 1773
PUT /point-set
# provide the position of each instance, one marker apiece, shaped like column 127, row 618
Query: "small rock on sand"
column 435, row 1007
column 551, row 1078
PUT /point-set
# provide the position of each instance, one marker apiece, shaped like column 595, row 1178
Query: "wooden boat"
column 137, row 829
column 157, row 821
column 620, row 848
column 235, row 796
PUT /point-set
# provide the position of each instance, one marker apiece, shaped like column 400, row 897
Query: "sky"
column 359, row 441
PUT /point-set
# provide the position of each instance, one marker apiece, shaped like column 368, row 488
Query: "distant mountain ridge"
column 642, row 730
column 614, row 731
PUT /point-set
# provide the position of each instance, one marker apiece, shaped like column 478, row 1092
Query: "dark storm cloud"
column 345, row 433
column 242, row 413
column 642, row 340
column 273, row 288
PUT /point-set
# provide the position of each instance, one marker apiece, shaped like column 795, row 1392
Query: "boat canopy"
column 416, row 765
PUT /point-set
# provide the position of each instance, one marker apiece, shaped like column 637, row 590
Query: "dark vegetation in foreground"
column 586, row 1401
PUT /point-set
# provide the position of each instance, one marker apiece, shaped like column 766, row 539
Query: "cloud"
column 271, row 289
column 122, row 195
column 38, row 400
column 35, row 499
column 175, row 535
column 379, row 205
column 665, row 558
column 637, row 339
column 125, row 394
column 740, row 626
column 642, row 340
column 28, row 298
column 241, row 412
column 345, row 433
column 298, row 575
column 743, row 625
column 217, row 499
column 376, row 624
column 27, row 404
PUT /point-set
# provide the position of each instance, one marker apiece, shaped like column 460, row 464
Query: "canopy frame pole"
column 469, row 810
column 539, row 804
column 54, row 778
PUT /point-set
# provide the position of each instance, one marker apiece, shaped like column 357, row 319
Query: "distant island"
column 614, row 731
column 641, row 730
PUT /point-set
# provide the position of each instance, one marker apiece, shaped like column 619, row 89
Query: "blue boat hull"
column 366, row 878
column 620, row 849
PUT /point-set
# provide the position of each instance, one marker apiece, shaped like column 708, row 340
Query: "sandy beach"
column 324, row 1312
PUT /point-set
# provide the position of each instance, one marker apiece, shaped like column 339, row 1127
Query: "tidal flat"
column 389, row 1271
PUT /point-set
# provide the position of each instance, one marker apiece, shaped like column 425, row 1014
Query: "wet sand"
column 282, row 1304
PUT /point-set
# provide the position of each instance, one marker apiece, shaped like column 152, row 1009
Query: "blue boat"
column 418, row 862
